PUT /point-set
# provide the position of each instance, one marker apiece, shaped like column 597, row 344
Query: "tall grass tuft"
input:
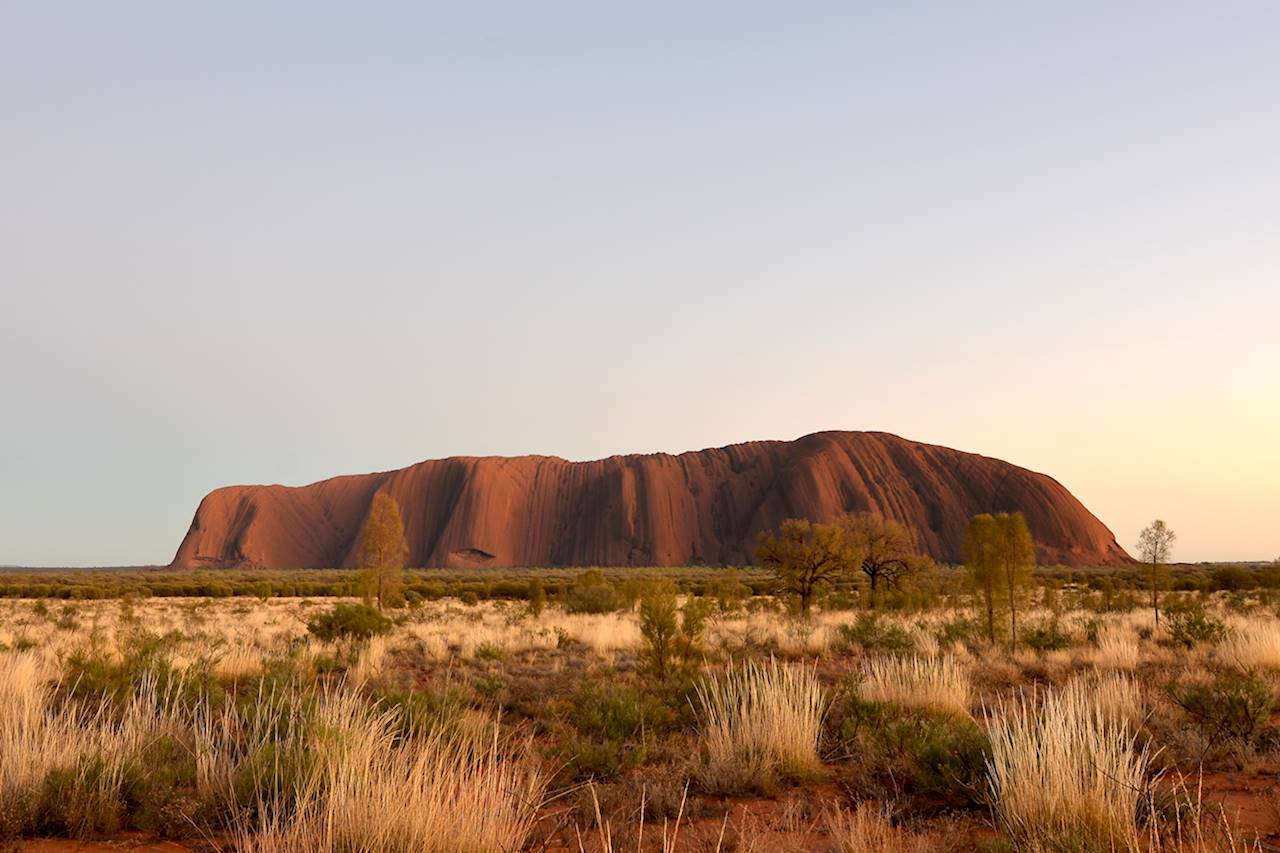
column 1254, row 644
column 341, row 779
column 932, row 683
column 867, row 829
column 1065, row 772
column 760, row 723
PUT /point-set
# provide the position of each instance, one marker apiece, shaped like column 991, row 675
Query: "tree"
column 980, row 560
column 806, row 557
column 1017, row 558
column 1155, row 544
column 1000, row 555
column 888, row 548
column 382, row 548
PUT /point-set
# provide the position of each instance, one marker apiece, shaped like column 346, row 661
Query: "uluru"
column 653, row 509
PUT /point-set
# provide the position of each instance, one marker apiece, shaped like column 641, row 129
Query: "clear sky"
column 244, row 245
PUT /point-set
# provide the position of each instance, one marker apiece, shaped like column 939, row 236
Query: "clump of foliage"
column 1235, row 706
column 592, row 593
column 671, row 634
column 348, row 622
column 611, row 727
column 537, row 598
column 1190, row 624
column 914, row 751
column 960, row 630
column 876, row 635
column 1047, row 637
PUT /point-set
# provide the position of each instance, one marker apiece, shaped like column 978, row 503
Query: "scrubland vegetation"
column 599, row 717
column 871, row 700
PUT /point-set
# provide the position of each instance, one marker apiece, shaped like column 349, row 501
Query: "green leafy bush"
column 1190, row 624
column 941, row 757
column 348, row 622
column 874, row 634
column 1047, row 637
column 1234, row 706
column 671, row 634
column 611, row 724
column 592, row 594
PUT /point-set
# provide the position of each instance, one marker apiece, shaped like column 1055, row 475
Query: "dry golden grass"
column 447, row 792
column 1117, row 649
column 1065, row 768
column 759, row 722
column 1063, row 764
column 1253, row 644
column 932, row 683
column 867, row 829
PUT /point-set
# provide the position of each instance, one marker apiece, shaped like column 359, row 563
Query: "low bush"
column 875, row 634
column 1047, row 637
column 348, row 622
column 592, row 593
column 1189, row 624
column 914, row 751
column 1233, row 706
column 611, row 727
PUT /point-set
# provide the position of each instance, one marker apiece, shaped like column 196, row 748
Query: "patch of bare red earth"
column 1250, row 801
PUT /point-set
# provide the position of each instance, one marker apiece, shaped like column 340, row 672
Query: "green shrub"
column 670, row 634
column 1047, row 637
column 592, row 594
column 348, row 622
column 940, row 757
column 1190, row 624
column 1234, row 706
column 875, row 634
column 960, row 630
column 610, row 725
column 537, row 597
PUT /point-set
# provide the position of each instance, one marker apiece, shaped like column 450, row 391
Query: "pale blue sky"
column 247, row 245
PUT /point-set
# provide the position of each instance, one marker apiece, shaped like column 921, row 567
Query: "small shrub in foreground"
column 912, row 751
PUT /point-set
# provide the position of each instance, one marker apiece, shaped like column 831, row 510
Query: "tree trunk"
column 991, row 613
column 1013, row 612
column 1155, row 601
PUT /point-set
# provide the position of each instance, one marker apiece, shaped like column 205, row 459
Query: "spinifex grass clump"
column 936, row 684
column 450, row 790
column 1064, row 773
column 289, row 768
column 760, row 724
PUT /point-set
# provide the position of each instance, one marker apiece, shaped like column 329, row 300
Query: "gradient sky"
column 274, row 245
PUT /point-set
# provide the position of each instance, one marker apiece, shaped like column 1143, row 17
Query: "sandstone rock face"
column 701, row 507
